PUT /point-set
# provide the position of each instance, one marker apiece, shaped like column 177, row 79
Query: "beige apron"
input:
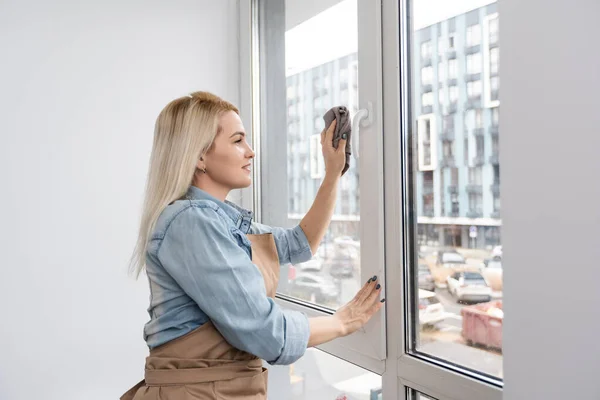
column 201, row 364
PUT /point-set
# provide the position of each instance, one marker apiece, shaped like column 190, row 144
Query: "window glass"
column 320, row 376
column 324, row 77
column 457, row 261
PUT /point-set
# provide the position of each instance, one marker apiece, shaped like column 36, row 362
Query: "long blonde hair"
column 185, row 130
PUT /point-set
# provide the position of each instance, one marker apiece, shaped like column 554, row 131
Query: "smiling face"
column 228, row 162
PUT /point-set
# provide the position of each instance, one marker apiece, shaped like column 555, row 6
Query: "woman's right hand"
column 358, row 311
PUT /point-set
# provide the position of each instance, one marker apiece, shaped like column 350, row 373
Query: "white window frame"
column 366, row 347
column 401, row 370
column 473, row 35
column 487, row 92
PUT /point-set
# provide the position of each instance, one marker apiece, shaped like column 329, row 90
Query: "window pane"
column 319, row 77
column 457, row 267
column 321, row 376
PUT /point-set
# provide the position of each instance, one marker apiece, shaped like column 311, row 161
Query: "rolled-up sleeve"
column 292, row 244
column 200, row 252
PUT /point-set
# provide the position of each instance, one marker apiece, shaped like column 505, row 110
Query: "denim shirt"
column 199, row 267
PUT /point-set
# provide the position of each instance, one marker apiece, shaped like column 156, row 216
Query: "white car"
column 431, row 311
column 314, row 264
column 469, row 286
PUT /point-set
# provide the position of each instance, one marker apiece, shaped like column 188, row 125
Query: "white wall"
column 81, row 83
column 549, row 143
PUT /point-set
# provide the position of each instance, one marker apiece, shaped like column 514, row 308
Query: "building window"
column 427, row 99
column 441, row 97
column 474, row 89
column 426, row 75
column 493, row 29
column 441, row 72
column 451, row 42
column 495, row 115
column 494, row 60
column 479, row 145
column 473, row 35
column 426, row 49
column 475, row 175
column 426, row 142
column 453, row 94
column 474, row 63
column 452, row 69
column 478, row 119
column 466, row 150
column 475, row 202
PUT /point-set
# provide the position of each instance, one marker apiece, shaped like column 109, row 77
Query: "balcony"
column 454, row 213
column 426, row 61
column 478, row 132
column 473, row 49
column 472, row 77
column 447, row 135
column 478, row 161
column 453, row 189
column 495, row 95
column 427, row 189
column 428, row 212
column 493, row 41
column 474, row 188
column 494, row 158
column 473, row 102
column 452, row 81
column 426, row 110
column 495, row 188
column 451, row 108
column 426, row 87
column 494, row 130
column 495, row 214
column 451, row 54
column 447, row 162
column 474, row 214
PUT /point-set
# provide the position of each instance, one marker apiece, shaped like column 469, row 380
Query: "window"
column 426, row 49
column 427, row 99
column 426, row 143
column 494, row 60
column 453, row 94
column 494, row 83
column 474, row 63
column 493, row 30
column 478, row 118
column 452, row 69
column 451, row 42
column 474, row 89
column 473, row 35
column 479, row 145
column 441, row 72
column 427, row 75
column 475, row 176
column 495, row 115
column 300, row 55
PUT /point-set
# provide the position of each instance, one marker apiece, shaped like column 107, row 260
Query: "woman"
column 213, row 272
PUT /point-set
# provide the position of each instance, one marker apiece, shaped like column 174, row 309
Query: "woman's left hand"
column 335, row 159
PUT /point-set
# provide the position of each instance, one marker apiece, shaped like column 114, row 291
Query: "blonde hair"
column 184, row 131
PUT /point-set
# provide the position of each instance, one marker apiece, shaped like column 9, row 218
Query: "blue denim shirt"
column 199, row 266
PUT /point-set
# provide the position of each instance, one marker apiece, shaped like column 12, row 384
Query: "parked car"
column 343, row 262
column 469, row 286
column 448, row 262
column 314, row 264
column 314, row 288
column 493, row 273
column 431, row 311
column 425, row 278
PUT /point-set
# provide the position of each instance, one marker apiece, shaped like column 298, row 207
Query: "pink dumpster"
column 482, row 324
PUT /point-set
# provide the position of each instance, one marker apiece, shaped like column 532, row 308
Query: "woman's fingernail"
column 344, row 136
column 370, row 279
column 374, row 278
column 382, row 301
column 378, row 286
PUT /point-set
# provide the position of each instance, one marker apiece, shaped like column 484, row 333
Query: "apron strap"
column 162, row 377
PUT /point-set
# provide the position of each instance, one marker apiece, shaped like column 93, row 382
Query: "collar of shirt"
column 241, row 218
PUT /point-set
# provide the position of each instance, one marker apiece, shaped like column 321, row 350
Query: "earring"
column 204, row 170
